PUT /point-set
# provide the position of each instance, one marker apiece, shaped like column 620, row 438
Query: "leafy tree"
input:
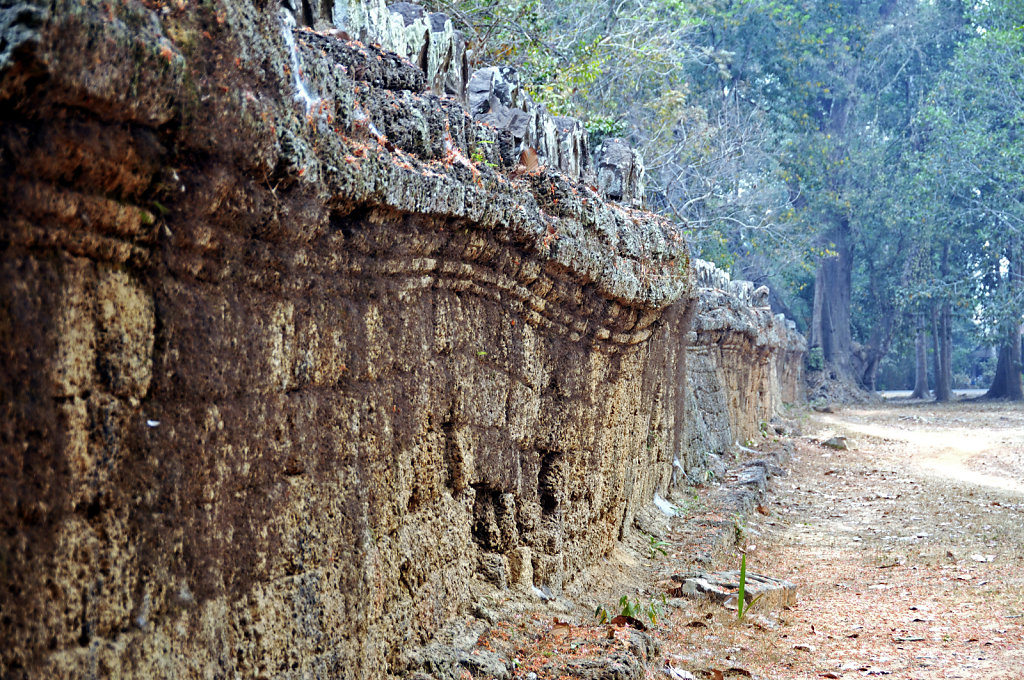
column 971, row 168
column 860, row 156
column 841, row 82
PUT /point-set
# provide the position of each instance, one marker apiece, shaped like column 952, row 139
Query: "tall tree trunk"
column 921, row 361
column 944, row 339
column 1007, row 383
column 936, row 354
column 944, row 379
column 830, row 322
column 870, row 376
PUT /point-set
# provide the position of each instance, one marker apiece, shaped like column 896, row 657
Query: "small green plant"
column 633, row 609
column 657, row 546
column 741, row 606
column 478, row 156
column 765, row 429
column 599, row 127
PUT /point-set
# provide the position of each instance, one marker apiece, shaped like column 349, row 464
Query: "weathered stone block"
column 620, row 172
column 520, row 563
column 74, row 365
column 724, row 586
column 125, row 323
column 494, row 568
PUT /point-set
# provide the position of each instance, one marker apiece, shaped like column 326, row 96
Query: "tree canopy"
column 862, row 157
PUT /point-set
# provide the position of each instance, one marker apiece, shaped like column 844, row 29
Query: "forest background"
column 864, row 159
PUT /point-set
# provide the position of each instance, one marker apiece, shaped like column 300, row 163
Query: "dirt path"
column 908, row 550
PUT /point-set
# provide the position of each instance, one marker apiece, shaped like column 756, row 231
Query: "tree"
column 840, row 83
column 822, row 148
column 972, row 169
column 920, row 361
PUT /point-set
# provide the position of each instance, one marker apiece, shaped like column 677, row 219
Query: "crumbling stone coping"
column 727, row 307
column 420, row 154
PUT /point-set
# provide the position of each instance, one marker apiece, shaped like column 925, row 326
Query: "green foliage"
column 633, row 608
column 600, row 126
column 967, row 177
column 559, row 82
column 657, row 546
column 815, row 359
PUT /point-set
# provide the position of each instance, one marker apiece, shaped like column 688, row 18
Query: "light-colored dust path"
column 948, row 443
column 908, row 551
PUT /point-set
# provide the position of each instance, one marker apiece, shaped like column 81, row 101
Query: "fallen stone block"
column 723, row 587
column 838, row 442
column 619, row 667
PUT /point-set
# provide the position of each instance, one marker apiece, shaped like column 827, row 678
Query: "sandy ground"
column 907, row 550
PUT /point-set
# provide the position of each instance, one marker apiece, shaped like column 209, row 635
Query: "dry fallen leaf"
column 621, row 620
column 529, row 159
column 712, row 673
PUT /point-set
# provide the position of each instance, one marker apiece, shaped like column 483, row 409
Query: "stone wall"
column 743, row 364
column 295, row 352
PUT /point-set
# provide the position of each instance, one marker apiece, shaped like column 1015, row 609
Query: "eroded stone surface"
column 292, row 359
column 743, row 364
column 497, row 99
column 620, row 172
column 426, row 39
